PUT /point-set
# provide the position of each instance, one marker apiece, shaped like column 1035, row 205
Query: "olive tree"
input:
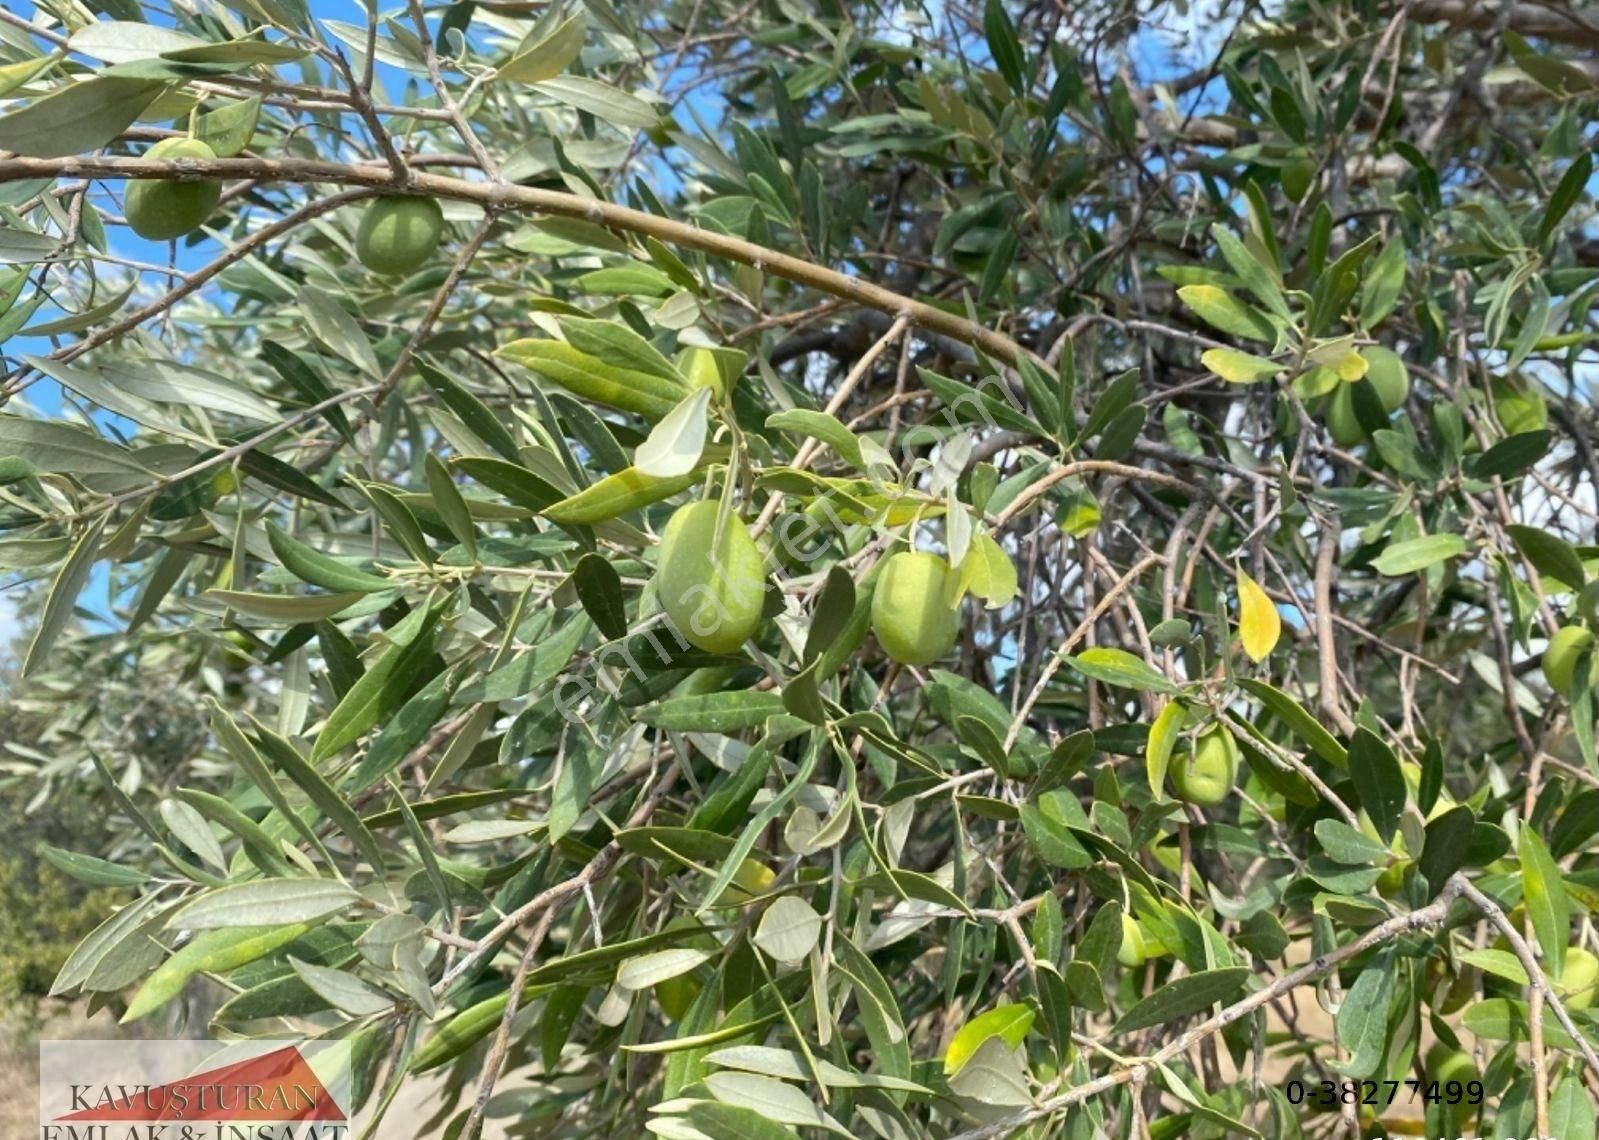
column 771, row 569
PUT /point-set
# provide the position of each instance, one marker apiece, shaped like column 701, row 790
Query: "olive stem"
column 808, row 450
column 536, row 200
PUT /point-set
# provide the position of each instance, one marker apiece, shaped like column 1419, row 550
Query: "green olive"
column 911, row 614
column 1342, row 422
column 1445, row 1064
column 1579, row 981
column 399, row 235
column 1298, row 177
column 1389, row 380
column 162, row 209
column 1205, row 775
column 1388, row 375
column 1566, row 647
column 1133, row 952
column 712, row 588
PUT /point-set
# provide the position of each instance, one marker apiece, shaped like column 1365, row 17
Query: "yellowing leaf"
column 1259, row 624
column 1351, row 367
column 1221, row 309
column 1010, row 1022
column 1239, row 367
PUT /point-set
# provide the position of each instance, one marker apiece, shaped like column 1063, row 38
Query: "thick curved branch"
column 526, row 198
column 1556, row 22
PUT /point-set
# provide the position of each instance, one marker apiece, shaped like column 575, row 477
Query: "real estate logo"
column 194, row 1090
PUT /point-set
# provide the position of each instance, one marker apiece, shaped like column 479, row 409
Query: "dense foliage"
column 950, row 570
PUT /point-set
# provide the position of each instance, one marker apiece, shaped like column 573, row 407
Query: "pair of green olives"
column 397, row 235
column 712, row 584
column 1389, row 379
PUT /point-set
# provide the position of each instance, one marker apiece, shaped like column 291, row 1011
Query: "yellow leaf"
column 1010, row 1022
column 1351, row 367
column 1259, row 624
column 1238, row 367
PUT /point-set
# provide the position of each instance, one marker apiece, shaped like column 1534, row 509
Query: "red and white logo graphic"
column 194, row 1090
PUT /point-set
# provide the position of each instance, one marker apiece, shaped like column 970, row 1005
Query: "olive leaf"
column 675, row 444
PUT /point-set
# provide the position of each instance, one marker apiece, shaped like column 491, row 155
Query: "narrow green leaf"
column 319, row 569
column 63, row 597
column 334, row 806
column 78, row 118
column 450, row 505
column 472, row 412
column 1120, row 668
column 1363, row 1018
column 1543, row 892
column 1184, row 996
column 381, row 688
column 1417, row 554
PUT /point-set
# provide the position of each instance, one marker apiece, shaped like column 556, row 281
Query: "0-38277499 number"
column 1331, row 1094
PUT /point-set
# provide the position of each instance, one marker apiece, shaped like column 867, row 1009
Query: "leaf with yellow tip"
column 1239, row 367
column 1351, row 367
column 1010, row 1022
column 1259, row 624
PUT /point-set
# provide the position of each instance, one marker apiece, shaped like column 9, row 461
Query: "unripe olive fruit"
column 399, row 235
column 700, row 367
column 713, row 588
column 1387, row 373
column 1297, row 178
column 1342, row 421
column 1566, row 647
column 1579, row 981
column 1445, row 1064
column 1390, row 381
column 1133, row 952
column 1205, row 775
column 911, row 614
column 162, row 209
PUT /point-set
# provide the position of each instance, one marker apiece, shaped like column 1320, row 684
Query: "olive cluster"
column 397, row 235
column 1386, row 377
column 711, row 581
